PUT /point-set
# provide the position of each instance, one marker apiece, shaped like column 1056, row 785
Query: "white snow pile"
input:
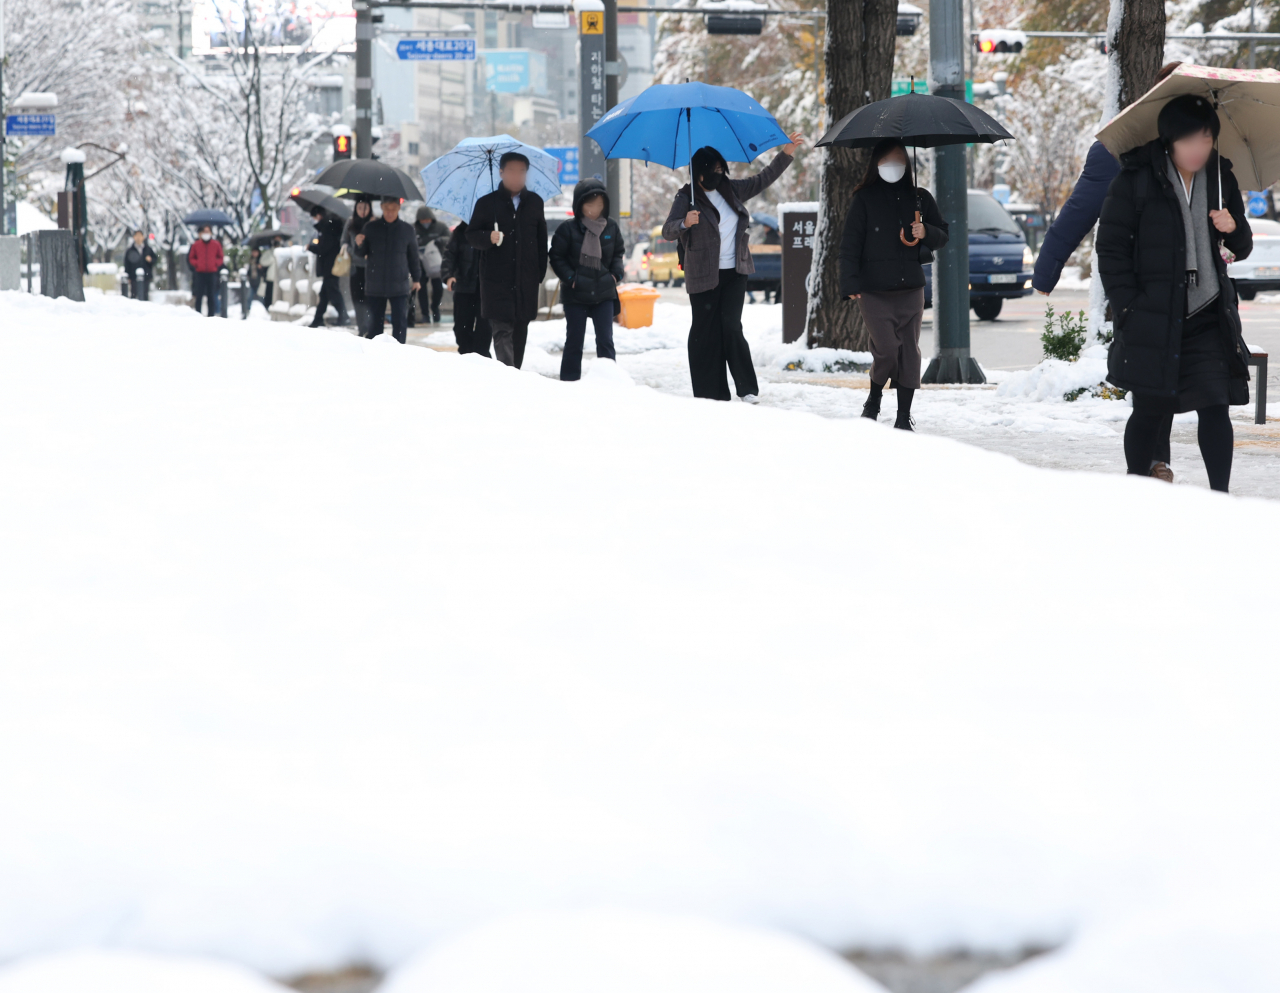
column 1052, row 379
column 120, row 971
column 612, row 951
column 317, row 649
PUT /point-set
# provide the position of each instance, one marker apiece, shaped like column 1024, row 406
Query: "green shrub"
column 1067, row 339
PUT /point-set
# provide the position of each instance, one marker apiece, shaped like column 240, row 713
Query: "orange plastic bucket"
column 637, row 305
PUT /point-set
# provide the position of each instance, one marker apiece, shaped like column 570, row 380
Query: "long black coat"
column 139, row 258
column 1143, row 265
column 582, row 286
column 326, row 244
column 392, row 254
column 872, row 255
column 461, row 262
column 510, row 272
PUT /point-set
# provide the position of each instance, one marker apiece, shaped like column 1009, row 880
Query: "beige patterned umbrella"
column 1248, row 103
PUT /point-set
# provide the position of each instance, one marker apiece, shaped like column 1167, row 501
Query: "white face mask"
column 891, row 172
column 206, row 236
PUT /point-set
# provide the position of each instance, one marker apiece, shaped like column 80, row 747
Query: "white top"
column 728, row 229
column 515, row 201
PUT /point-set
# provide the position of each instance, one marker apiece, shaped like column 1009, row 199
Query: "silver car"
column 1260, row 272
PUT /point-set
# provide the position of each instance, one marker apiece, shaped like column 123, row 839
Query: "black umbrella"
column 312, row 197
column 352, row 177
column 916, row 119
column 207, row 215
column 257, row 239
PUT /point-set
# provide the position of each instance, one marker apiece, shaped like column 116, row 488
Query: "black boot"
column 904, row 421
column 872, row 407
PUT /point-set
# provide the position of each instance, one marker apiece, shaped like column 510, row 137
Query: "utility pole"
column 952, row 363
column 612, row 70
column 364, row 79
column 1253, row 61
column 5, row 226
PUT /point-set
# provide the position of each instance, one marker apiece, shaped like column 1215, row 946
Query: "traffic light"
column 732, row 16
column 999, row 41
column 341, row 147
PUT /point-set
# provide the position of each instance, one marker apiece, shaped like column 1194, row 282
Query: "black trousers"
column 1148, row 430
column 576, row 317
column 141, row 287
column 204, row 286
column 430, row 293
column 399, row 317
column 470, row 330
column 330, row 293
column 509, row 341
column 715, row 340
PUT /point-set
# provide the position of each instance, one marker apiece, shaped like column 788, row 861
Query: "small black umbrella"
column 312, row 197
column 916, row 119
column 258, row 238
column 919, row 120
column 207, row 215
column 352, row 177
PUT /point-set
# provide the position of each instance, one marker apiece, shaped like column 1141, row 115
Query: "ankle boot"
column 872, row 407
column 903, row 420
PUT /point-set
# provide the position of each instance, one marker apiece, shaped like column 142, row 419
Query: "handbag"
column 342, row 264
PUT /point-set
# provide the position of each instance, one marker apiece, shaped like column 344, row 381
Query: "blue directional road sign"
column 567, row 156
column 1257, row 203
column 437, row 49
column 33, row 125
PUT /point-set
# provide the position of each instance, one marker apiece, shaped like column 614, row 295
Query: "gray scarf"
column 1202, row 272
column 591, row 250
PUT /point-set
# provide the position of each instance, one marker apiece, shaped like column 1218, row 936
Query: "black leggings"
column 1217, row 442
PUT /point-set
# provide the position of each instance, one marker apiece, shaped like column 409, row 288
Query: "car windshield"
column 987, row 216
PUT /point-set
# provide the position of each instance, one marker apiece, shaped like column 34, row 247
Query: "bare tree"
column 859, row 68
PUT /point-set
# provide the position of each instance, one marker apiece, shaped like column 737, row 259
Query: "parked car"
column 1000, row 259
column 635, row 264
column 1260, row 272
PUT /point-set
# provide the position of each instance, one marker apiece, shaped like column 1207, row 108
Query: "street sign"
column 1257, row 203
column 901, row 87
column 567, row 157
column 799, row 222
column 437, row 49
column 34, row 125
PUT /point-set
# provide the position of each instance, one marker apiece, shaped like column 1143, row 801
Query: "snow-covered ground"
column 1084, row 434
column 318, row 650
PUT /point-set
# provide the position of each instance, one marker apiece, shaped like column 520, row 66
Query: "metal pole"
column 4, row 139
column 364, row 80
column 1252, row 56
column 612, row 70
column 592, row 91
column 952, row 363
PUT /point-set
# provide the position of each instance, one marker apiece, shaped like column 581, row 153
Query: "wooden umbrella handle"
column 903, row 237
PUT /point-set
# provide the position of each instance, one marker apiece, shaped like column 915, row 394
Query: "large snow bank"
column 119, row 971
column 610, row 951
column 316, row 648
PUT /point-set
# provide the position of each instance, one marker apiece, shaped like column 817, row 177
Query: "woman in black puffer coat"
column 1178, row 344
column 587, row 254
column 885, row 275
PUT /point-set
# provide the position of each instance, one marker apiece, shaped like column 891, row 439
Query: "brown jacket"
column 702, row 241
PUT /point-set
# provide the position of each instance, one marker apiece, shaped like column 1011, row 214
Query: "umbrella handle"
column 902, row 236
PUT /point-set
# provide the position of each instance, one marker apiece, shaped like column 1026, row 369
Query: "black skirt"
column 1204, row 378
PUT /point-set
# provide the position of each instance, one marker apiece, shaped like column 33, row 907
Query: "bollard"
column 246, row 294
column 124, row 283
column 222, row 291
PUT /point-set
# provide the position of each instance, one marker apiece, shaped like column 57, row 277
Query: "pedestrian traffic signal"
column 341, row 146
column 999, row 41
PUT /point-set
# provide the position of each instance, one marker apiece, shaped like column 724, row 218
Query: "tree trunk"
column 1136, row 40
column 60, row 273
column 859, row 70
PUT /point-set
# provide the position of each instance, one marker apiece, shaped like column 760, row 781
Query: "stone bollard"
column 10, row 262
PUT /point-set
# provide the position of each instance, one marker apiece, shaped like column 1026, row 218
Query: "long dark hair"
column 882, row 148
column 356, row 223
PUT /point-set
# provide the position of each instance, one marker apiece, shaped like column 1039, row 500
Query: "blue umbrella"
column 210, row 216
column 666, row 122
column 460, row 177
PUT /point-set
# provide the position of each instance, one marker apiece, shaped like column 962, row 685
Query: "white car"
column 1260, row 272
column 634, row 265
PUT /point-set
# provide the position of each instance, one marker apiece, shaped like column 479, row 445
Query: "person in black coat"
column 325, row 247
column 361, row 213
column 1178, row 344
column 393, row 269
column 430, row 231
column 509, row 231
column 138, row 263
column 880, row 270
column 587, row 254
column 460, row 269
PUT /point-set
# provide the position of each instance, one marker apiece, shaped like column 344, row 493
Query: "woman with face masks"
column 711, row 222
column 891, row 229
column 1178, row 344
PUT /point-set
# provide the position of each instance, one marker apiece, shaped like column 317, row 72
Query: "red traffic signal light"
column 999, row 41
column 341, row 147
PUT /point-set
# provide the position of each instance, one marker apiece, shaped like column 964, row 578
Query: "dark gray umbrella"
column 259, row 237
column 352, row 177
column 207, row 215
column 315, row 196
column 916, row 119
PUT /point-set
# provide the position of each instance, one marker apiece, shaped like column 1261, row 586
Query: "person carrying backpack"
column 587, row 254
column 432, row 235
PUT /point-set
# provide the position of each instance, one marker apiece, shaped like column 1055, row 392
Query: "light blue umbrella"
column 667, row 122
column 460, row 177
